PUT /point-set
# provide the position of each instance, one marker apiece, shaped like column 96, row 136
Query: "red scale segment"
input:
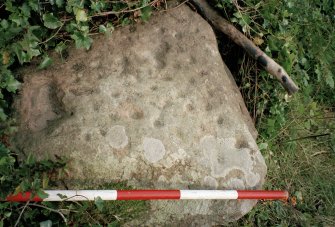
column 22, row 197
column 261, row 194
column 147, row 194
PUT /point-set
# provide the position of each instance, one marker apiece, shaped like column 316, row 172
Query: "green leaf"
column 144, row 2
column 108, row 29
column 8, row 214
column 81, row 15
column 61, row 46
column 12, row 84
column 114, row 224
column 4, row 24
column 59, row 3
column 85, row 29
column 40, row 193
column 47, row 223
column 97, row 6
column 263, row 146
column 3, row 116
column 33, row 5
column 45, row 62
column 82, row 40
column 99, row 203
column 62, row 196
column 25, row 9
column 125, row 21
column 50, row 21
column 146, row 13
column 102, row 29
column 10, row 7
column 19, row 20
column 329, row 79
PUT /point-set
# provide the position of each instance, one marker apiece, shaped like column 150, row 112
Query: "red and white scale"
column 85, row 195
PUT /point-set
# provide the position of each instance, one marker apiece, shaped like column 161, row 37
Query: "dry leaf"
column 293, row 201
column 5, row 58
column 258, row 41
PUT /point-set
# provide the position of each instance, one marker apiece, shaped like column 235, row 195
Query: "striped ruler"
column 85, row 195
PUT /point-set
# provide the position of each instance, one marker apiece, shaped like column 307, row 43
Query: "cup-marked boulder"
column 153, row 105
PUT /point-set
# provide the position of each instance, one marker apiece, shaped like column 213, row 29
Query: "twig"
column 318, row 153
column 122, row 11
column 53, row 36
column 227, row 28
column 52, row 210
column 22, row 211
column 308, row 137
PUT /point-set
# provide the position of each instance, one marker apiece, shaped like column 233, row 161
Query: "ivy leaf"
column 82, row 40
column 50, row 21
column 61, row 46
column 33, row 5
column 102, row 29
column 59, row 3
column 62, row 196
column 4, row 24
column 19, row 20
column 144, row 2
column 20, row 54
column 42, row 194
column 125, row 21
column 98, row 6
column 10, row 7
column 9, row 82
column 329, row 79
column 262, row 146
column 45, row 62
column 25, row 9
column 107, row 30
column 3, row 116
column 81, row 15
column 12, row 84
column 47, row 223
column 146, row 13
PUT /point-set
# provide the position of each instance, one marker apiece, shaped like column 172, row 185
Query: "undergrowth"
column 28, row 30
column 296, row 133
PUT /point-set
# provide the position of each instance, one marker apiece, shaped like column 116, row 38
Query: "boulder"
column 153, row 105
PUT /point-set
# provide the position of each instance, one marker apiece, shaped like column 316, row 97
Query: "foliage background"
column 296, row 133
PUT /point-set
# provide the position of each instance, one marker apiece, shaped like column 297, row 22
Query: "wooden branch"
column 227, row 28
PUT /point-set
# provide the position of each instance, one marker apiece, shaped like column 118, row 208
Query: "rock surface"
column 153, row 105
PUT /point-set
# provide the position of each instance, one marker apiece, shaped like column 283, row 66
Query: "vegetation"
column 296, row 134
column 296, row 138
column 28, row 29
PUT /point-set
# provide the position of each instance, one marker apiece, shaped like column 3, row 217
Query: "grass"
column 303, row 166
column 296, row 134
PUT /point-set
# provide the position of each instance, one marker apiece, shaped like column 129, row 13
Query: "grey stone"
column 155, row 107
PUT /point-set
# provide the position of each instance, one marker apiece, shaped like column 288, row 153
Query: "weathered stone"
column 155, row 107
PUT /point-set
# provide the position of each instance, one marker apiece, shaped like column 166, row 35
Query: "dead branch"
column 227, row 28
